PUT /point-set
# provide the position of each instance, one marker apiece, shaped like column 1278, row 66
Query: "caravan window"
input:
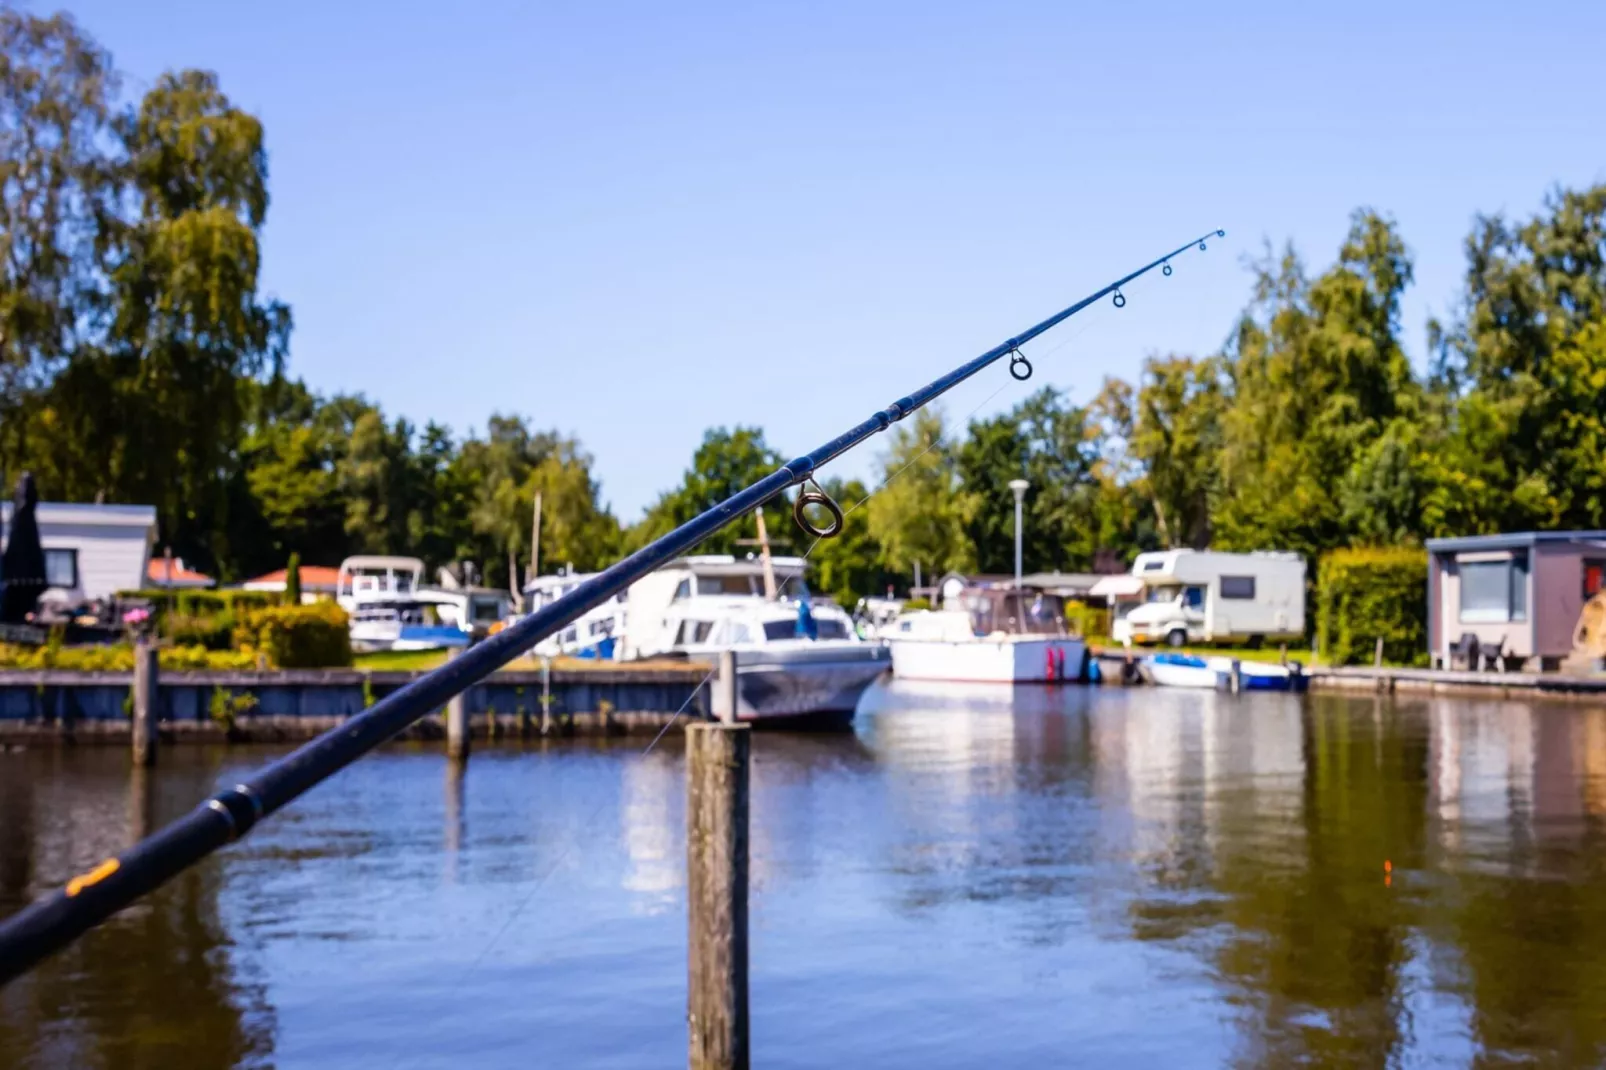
column 1193, row 597
column 1238, row 587
column 1493, row 592
column 61, row 568
column 1154, row 566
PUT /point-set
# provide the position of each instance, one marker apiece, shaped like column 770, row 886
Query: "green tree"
column 292, row 580
column 728, row 460
column 1530, row 354
column 61, row 181
column 919, row 514
column 849, row 566
column 1315, row 376
column 1176, row 439
column 189, row 328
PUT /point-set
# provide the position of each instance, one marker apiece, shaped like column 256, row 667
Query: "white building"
column 91, row 551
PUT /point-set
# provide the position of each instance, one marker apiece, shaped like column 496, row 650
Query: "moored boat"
column 799, row 662
column 1191, row 670
column 994, row 635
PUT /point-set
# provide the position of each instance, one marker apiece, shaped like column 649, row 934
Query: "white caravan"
column 1201, row 596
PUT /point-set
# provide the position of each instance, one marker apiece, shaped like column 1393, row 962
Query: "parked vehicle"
column 1202, row 596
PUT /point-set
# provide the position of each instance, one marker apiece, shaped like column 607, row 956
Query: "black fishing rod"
column 52, row 922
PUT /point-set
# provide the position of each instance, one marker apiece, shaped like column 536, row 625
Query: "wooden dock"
column 298, row 704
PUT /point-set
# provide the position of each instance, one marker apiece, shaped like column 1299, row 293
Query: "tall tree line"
column 140, row 363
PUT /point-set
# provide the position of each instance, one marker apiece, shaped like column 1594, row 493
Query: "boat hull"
column 1182, row 670
column 380, row 636
column 1050, row 659
column 809, row 685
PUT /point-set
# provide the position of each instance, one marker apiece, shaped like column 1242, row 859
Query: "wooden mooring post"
column 717, row 761
column 146, row 681
column 725, row 700
column 457, row 727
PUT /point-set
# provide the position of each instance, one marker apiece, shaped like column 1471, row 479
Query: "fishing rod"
column 49, row 924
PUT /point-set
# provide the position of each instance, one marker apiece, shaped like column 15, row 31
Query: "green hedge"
column 1366, row 593
column 118, row 658
column 317, row 636
column 203, row 603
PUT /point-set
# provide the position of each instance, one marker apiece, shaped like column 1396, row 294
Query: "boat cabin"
column 367, row 577
column 693, row 581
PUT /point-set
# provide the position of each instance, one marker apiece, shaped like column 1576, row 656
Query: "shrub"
column 916, row 603
column 213, row 633
column 317, row 636
column 201, row 603
column 1090, row 622
column 292, row 581
column 1363, row 594
column 119, row 658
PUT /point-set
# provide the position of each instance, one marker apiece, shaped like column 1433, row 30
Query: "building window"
column 61, row 568
column 1238, row 587
column 1594, row 573
column 1494, row 592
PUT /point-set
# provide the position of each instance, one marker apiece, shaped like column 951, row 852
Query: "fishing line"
column 887, row 481
column 585, row 826
column 57, row 918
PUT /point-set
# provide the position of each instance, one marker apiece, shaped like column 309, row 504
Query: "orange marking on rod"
column 94, row 876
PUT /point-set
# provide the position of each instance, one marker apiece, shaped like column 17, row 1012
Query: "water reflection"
column 159, row 984
column 976, row 876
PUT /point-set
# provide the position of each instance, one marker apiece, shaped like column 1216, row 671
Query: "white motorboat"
column 798, row 661
column 1003, row 635
column 596, row 634
column 401, row 623
column 1190, row 670
column 391, row 610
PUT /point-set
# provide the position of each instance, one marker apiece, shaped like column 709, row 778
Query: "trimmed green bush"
column 1362, row 594
column 212, row 632
column 202, row 603
column 1088, row 621
column 317, row 636
column 119, row 658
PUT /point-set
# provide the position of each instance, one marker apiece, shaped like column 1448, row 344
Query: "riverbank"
column 574, row 697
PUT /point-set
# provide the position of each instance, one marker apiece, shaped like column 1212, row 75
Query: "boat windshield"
column 1013, row 612
column 787, row 629
column 745, row 584
column 404, row 612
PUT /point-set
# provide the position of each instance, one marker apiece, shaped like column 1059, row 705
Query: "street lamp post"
column 1019, row 487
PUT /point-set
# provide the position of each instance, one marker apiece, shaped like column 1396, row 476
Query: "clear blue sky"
column 633, row 222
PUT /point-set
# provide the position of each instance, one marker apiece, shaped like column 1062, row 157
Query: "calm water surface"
column 1080, row 877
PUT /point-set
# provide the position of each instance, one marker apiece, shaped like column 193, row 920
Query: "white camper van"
column 1200, row 596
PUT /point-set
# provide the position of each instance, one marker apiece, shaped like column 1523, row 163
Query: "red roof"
column 157, row 573
column 313, row 578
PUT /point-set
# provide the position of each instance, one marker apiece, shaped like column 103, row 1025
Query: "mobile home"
column 1517, row 596
column 1201, row 596
column 91, row 551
